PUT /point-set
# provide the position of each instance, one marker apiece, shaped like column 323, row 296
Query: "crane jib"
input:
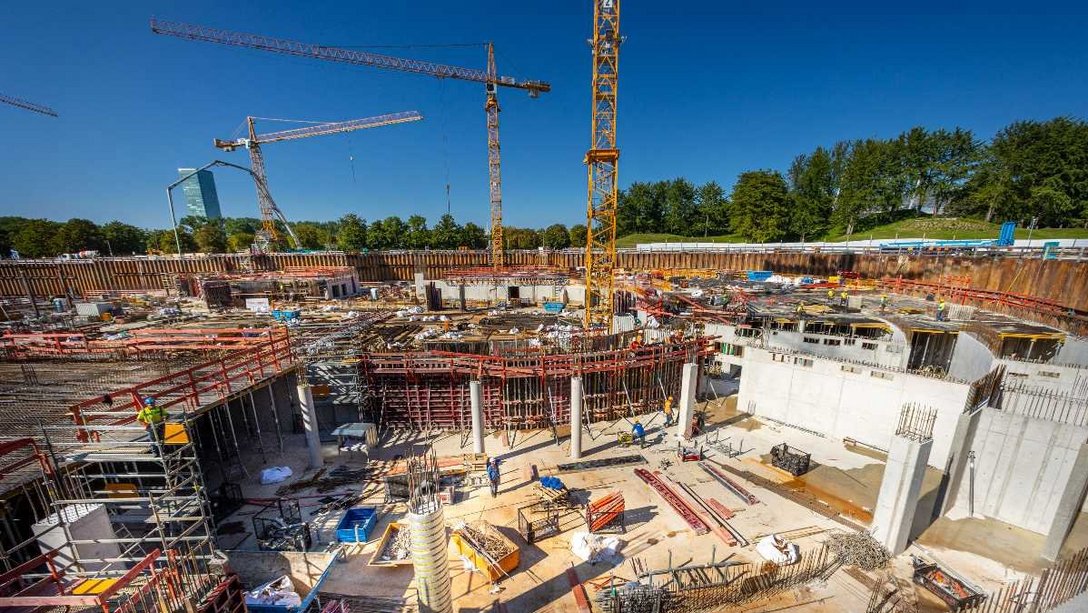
column 337, row 54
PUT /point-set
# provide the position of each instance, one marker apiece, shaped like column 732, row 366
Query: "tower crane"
column 489, row 77
column 253, row 141
column 603, row 162
column 30, row 106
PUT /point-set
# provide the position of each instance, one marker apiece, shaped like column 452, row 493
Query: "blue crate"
column 286, row 315
column 553, row 307
column 759, row 275
column 356, row 524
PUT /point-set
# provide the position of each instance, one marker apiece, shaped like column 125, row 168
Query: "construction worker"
column 883, row 302
column 153, row 418
column 667, row 409
column 942, row 311
column 493, row 476
column 842, row 298
column 640, row 433
column 801, row 308
column 830, row 294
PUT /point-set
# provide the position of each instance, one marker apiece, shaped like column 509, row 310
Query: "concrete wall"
column 843, row 400
column 971, row 359
column 884, row 353
column 1051, row 377
column 1022, row 465
column 535, row 294
column 1074, row 351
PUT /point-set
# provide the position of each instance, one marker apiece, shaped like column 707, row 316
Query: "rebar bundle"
column 423, row 483
column 858, row 549
column 916, row 422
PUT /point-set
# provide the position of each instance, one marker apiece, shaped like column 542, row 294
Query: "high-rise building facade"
column 201, row 199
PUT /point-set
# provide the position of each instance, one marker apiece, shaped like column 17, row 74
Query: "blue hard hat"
column 149, row 401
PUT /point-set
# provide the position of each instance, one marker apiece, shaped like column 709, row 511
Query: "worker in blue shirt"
column 493, row 476
column 640, row 433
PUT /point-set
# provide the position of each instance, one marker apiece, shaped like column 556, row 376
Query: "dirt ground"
column 838, row 493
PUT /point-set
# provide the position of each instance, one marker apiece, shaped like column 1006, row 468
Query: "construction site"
column 592, row 430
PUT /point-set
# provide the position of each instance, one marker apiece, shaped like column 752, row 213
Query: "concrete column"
column 575, row 418
column 476, row 395
column 309, row 423
column 898, row 498
column 957, row 459
column 686, row 410
column 1069, row 506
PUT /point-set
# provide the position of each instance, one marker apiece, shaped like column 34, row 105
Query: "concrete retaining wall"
column 843, row 400
column 1022, row 465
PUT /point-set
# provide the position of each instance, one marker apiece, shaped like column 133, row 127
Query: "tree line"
column 1030, row 171
column 38, row 238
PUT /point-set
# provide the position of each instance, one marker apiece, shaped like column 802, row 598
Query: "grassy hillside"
column 953, row 228
column 633, row 239
column 941, row 228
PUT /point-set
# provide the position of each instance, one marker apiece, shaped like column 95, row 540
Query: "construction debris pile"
column 858, row 549
column 398, row 547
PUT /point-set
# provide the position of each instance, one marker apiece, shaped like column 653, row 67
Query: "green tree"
column 641, row 207
column 474, row 236
column 389, row 233
column 447, row 233
column 521, row 238
column 417, row 234
column 713, row 209
column 680, row 210
column 77, row 235
column 241, row 224
column 33, row 238
column 123, row 239
column 812, row 192
column 556, row 236
column 210, row 238
column 310, row 235
column 578, row 235
column 760, row 206
column 872, row 181
column 240, row 241
column 164, row 241
column 1034, row 170
column 351, row 235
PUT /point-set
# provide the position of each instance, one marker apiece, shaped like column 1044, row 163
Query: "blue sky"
column 707, row 90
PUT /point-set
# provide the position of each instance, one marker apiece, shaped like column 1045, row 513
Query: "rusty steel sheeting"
column 1063, row 282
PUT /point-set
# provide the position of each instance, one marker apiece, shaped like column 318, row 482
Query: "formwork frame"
column 428, row 390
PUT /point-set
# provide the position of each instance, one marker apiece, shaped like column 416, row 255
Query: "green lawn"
column 940, row 228
column 633, row 239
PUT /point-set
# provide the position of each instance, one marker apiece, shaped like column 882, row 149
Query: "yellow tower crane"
column 603, row 162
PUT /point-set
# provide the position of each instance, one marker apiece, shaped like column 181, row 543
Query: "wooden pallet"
column 547, row 494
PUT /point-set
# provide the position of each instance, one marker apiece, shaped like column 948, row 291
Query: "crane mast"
column 489, row 77
column 602, row 160
column 27, row 105
column 494, row 164
column 269, row 211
